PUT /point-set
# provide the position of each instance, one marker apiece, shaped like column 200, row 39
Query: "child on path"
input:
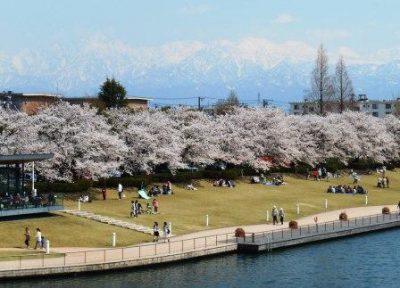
column 38, row 238
column 166, row 231
column 281, row 215
column 274, row 215
column 156, row 232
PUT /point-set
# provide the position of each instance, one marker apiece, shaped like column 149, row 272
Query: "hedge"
column 62, row 187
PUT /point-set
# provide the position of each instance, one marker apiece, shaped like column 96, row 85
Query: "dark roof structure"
column 24, row 158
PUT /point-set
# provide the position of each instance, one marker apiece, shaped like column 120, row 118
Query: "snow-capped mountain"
column 185, row 69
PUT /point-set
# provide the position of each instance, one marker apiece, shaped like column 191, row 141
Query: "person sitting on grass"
column 191, row 187
column 230, row 184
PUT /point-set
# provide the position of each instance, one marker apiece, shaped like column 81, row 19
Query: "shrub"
column 239, row 232
column 343, row 216
column 62, row 187
column 229, row 174
column 293, row 224
column 334, row 164
column 385, row 210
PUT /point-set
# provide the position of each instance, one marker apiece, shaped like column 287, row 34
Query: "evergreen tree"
column 113, row 94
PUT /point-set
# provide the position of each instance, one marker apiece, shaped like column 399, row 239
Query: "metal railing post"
column 155, row 249
column 140, row 252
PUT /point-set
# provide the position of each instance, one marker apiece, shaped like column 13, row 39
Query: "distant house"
column 29, row 103
column 377, row 108
column 134, row 103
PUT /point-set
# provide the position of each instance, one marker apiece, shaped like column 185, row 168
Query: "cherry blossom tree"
column 151, row 139
column 18, row 134
column 81, row 140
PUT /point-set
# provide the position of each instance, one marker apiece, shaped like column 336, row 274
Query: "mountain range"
column 185, row 70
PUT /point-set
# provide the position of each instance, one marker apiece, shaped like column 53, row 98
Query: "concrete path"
column 111, row 221
column 322, row 217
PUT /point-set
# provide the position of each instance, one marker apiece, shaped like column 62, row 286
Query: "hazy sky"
column 357, row 26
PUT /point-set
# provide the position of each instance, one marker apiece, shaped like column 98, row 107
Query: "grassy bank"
column 245, row 204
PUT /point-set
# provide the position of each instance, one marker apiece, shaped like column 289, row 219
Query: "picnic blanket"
column 143, row 194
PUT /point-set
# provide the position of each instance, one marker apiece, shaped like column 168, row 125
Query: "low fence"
column 284, row 234
column 143, row 251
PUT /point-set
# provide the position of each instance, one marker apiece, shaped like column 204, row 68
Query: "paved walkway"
column 322, row 217
column 110, row 220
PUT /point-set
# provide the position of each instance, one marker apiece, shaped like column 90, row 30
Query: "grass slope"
column 245, row 204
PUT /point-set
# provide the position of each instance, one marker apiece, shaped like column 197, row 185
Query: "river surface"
column 371, row 260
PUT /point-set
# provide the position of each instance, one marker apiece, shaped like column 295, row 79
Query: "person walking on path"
column 27, row 237
column 166, row 231
column 38, row 238
column 274, row 215
column 281, row 215
column 156, row 232
column 120, row 189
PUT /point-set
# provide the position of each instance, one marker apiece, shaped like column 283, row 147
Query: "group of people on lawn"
column 358, row 189
column 166, row 189
column 277, row 180
column 137, row 208
column 383, row 182
column 224, row 183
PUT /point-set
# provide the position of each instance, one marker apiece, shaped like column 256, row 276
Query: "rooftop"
column 24, row 158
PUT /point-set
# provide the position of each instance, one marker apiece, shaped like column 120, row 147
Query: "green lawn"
column 245, row 204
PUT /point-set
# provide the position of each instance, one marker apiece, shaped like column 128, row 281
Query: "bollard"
column 298, row 208
column 47, row 245
column 207, row 220
column 114, row 239
column 326, row 203
column 366, row 200
column 267, row 216
column 79, row 205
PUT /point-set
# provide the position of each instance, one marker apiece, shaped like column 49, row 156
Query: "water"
column 370, row 260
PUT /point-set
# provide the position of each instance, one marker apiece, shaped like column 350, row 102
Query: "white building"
column 377, row 108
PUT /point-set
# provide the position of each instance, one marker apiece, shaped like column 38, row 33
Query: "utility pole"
column 199, row 102
column 265, row 102
column 258, row 99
